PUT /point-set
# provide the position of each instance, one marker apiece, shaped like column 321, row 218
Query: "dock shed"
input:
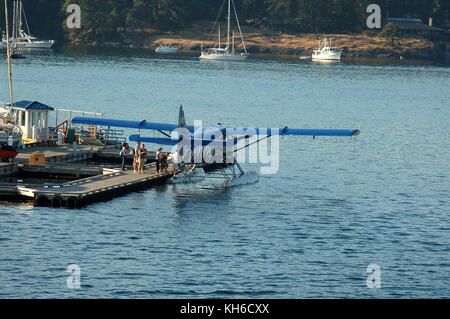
column 32, row 117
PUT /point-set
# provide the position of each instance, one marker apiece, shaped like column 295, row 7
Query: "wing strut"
column 261, row 139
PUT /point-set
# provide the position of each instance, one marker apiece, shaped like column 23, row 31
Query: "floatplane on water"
column 208, row 152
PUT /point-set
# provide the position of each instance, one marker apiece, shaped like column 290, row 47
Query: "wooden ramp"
column 94, row 189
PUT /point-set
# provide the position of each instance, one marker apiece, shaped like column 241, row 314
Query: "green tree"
column 140, row 15
column 97, row 20
column 170, row 14
column 103, row 19
column 390, row 32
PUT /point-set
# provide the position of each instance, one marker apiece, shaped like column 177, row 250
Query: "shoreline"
column 276, row 43
column 367, row 60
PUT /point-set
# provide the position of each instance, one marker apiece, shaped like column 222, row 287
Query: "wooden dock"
column 101, row 183
column 94, row 189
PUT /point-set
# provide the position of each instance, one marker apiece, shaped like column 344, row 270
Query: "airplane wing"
column 318, row 132
column 294, row 131
column 143, row 125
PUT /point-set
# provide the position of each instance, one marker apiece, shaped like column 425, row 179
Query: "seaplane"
column 208, row 152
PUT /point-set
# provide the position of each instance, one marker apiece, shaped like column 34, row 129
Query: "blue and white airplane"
column 198, row 145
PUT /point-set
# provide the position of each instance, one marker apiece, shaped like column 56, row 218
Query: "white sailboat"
column 20, row 38
column 228, row 53
column 326, row 51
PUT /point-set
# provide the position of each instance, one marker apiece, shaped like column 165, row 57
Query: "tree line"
column 106, row 19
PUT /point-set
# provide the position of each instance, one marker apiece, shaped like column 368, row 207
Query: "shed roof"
column 413, row 24
column 32, row 105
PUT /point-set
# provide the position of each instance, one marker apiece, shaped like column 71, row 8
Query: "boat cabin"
column 32, row 117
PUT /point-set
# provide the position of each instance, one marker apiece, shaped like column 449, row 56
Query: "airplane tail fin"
column 181, row 118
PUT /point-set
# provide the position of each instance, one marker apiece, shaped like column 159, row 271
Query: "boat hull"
column 167, row 50
column 327, row 57
column 17, row 56
column 6, row 155
column 223, row 57
column 30, row 45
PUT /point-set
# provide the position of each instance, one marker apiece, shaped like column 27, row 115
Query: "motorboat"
column 166, row 49
column 326, row 51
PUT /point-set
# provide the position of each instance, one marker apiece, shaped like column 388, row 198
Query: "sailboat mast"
column 14, row 19
column 8, row 53
column 219, row 35
column 17, row 19
column 228, row 29
column 19, row 24
column 232, row 47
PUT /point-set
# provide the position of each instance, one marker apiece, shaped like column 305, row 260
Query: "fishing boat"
column 326, row 51
column 166, row 49
column 21, row 38
column 228, row 53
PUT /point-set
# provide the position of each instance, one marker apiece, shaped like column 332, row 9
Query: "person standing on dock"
column 123, row 155
column 136, row 149
column 158, row 158
column 164, row 164
column 174, row 157
column 142, row 159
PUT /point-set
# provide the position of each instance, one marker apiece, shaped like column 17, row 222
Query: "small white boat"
column 229, row 52
column 21, row 39
column 222, row 54
column 167, row 49
column 326, row 51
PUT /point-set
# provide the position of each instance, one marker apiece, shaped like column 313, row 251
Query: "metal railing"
column 71, row 113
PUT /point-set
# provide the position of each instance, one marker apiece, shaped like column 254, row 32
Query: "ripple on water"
column 335, row 206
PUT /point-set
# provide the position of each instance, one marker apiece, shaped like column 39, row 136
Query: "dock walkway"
column 102, row 184
column 94, row 189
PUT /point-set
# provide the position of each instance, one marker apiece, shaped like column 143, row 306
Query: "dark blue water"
column 335, row 206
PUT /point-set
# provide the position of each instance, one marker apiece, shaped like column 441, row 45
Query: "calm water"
column 336, row 205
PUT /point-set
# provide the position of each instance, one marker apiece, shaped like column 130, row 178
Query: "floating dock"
column 94, row 189
column 90, row 183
